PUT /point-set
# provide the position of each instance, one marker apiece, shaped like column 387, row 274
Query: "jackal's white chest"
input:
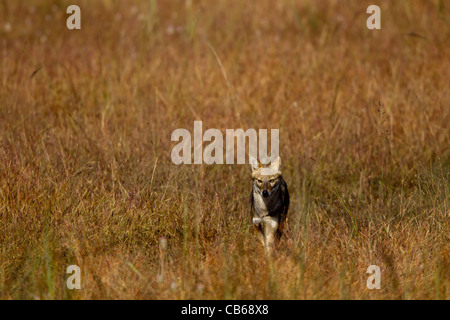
column 260, row 205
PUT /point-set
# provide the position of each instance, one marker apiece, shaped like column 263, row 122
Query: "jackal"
column 270, row 202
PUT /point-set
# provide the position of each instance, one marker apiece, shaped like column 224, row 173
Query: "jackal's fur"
column 270, row 202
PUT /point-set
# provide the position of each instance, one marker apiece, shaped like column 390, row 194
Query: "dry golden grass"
column 86, row 176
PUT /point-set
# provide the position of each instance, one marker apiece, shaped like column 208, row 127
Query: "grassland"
column 86, row 176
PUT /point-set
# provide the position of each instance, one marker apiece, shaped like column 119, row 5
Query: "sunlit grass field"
column 86, row 176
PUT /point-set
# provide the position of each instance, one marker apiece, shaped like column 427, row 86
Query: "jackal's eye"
column 271, row 180
column 259, row 181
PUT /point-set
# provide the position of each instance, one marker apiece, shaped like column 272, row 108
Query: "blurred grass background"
column 86, row 177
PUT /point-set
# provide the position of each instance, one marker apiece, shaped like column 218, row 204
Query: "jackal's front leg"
column 258, row 223
column 270, row 227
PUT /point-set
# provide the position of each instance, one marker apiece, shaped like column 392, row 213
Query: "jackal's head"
column 266, row 178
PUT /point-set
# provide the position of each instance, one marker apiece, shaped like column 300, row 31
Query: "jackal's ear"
column 254, row 163
column 275, row 165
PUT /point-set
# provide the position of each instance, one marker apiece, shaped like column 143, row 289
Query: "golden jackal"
column 270, row 201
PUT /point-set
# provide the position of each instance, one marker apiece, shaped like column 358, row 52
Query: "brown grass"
column 86, row 176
